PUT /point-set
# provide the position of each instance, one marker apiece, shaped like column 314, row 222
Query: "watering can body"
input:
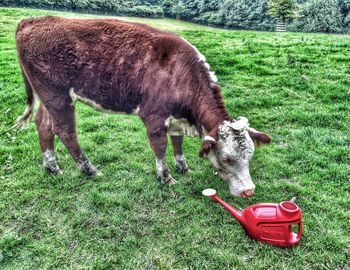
column 273, row 223
column 267, row 222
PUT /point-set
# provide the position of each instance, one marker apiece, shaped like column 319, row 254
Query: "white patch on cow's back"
column 201, row 57
column 213, row 77
column 180, row 127
column 95, row 105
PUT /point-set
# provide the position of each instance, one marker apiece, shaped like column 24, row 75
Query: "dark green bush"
column 145, row 11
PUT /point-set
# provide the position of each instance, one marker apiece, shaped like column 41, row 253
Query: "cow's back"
column 42, row 34
column 109, row 61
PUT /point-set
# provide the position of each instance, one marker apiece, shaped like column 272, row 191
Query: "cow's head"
column 231, row 152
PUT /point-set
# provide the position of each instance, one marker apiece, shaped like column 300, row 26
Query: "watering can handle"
column 295, row 238
column 300, row 231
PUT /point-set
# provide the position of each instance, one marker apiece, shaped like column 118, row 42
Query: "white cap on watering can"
column 209, row 192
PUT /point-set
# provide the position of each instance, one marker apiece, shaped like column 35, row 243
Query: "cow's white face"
column 232, row 154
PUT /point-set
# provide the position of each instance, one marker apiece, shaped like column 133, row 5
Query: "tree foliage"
column 141, row 8
column 283, row 9
column 246, row 14
column 344, row 6
column 320, row 16
column 314, row 15
column 178, row 9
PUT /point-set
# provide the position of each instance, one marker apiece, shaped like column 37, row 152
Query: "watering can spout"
column 234, row 212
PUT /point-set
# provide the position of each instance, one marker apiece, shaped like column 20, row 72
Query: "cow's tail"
column 23, row 120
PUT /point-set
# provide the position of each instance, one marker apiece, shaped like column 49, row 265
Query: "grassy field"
column 295, row 87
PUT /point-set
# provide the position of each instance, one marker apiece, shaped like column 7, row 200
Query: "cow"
column 121, row 67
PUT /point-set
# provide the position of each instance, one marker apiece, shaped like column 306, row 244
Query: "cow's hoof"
column 181, row 166
column 182, row 170
column 168, row 181
column 87, row 168
column 54, row 170
column 92, row 172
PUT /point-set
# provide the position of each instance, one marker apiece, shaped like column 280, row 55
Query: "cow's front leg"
column 180, row 161
column 157, row 135
column 163, row 172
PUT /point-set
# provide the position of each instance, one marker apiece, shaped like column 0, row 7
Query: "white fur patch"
column 179, row 158
column 49, row 161
column 160, row 166
column 95, row 105
column 232, row 154
column 240, row 124
column 180, row 127
column 180, row 163
column 201, row 57
column 209, row 138
column 136, row 111
column 213, row 77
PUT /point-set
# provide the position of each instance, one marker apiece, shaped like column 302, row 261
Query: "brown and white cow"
column 132, row 68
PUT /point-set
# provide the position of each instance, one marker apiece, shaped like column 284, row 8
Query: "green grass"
column 296, row 87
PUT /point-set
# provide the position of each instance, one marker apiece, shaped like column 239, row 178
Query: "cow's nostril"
column 248, row 193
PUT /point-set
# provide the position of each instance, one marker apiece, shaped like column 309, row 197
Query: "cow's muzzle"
column 247, row 193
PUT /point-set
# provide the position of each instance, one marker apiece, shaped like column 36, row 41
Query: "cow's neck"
column 211, row 111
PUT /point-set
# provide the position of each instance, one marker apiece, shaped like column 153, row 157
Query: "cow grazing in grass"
column 130, row 68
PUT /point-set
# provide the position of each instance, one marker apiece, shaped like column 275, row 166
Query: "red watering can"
column 267, row 222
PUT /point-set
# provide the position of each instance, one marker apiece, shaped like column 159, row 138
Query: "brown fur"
column 119, row 66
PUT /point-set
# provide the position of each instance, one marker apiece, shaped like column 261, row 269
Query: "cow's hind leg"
column 43, row 123
column 180, row 161
column 63, row 117
column 157, row 134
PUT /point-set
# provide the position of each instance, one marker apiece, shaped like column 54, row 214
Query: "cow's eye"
column 227, row 160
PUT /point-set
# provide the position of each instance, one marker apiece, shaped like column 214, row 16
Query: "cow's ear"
column 259, row 138
column 207, row 145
